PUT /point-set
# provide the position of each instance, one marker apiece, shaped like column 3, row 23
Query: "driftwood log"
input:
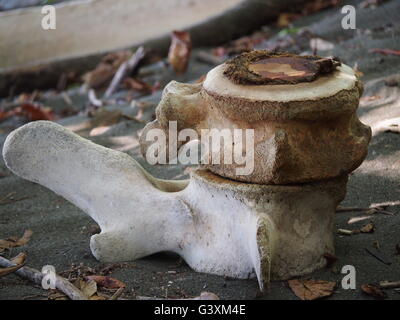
column 247, row 16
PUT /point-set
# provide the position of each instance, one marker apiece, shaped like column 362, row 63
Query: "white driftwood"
column 91, row 26
column 123, row 70
column 389, row 285
column 36, row 277
column 217, row 225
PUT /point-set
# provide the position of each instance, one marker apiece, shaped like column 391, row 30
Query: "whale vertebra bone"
column 217, row 225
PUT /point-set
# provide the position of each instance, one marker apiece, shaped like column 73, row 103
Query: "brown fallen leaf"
column 19, row 259
column 312, row 289
column 88, row 288
column 286, row 18
column 107, row 282
column 330, row 259
column 318, row 5
column 138, row 85
column 13, row 242
column 373, row 291
column 30, row 111
column 105, row 70
column 368, row 228
column 179, row 51
column 34, row 112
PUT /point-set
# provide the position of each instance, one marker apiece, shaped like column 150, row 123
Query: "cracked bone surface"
column 302, row 110
column 217, row 225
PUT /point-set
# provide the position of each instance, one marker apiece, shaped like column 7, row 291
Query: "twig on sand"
column 36, row 277
column 377, row 255
column 389, row 285
column 123, row 70
column 94, row 100
column 117, row 294
column 372, row 209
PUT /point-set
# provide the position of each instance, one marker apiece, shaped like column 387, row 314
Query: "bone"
column 217, row 225
column 303, row 132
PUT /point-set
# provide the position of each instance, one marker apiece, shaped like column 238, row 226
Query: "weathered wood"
column 36, row 277
column 78, row 44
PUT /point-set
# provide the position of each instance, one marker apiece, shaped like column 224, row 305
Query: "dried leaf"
column 330, row 259
column 56, row 295
column 34, row 112
column 179, row 51
column 106, row 69
column 30, row 111
column 318, row 5
column 368, row 228
column 6, row 271
column 312, row 289
column 13, row 242
column 19, row 259
column 373, row 291
column 138, row 85
column 107, row 282
column 285, row 19
column 88, row 288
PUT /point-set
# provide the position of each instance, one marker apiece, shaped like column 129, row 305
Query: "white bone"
column 217, row 225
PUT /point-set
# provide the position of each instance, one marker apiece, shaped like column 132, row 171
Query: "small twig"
column 123, row 70
column 371, row 209
column 377, row 255
column 117, row 294
column 345, row 232
column 389, row 285
column 93, row 99
column 36, row 277
column 67, row 98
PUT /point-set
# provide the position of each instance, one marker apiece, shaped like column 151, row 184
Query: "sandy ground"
column 62, row 231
